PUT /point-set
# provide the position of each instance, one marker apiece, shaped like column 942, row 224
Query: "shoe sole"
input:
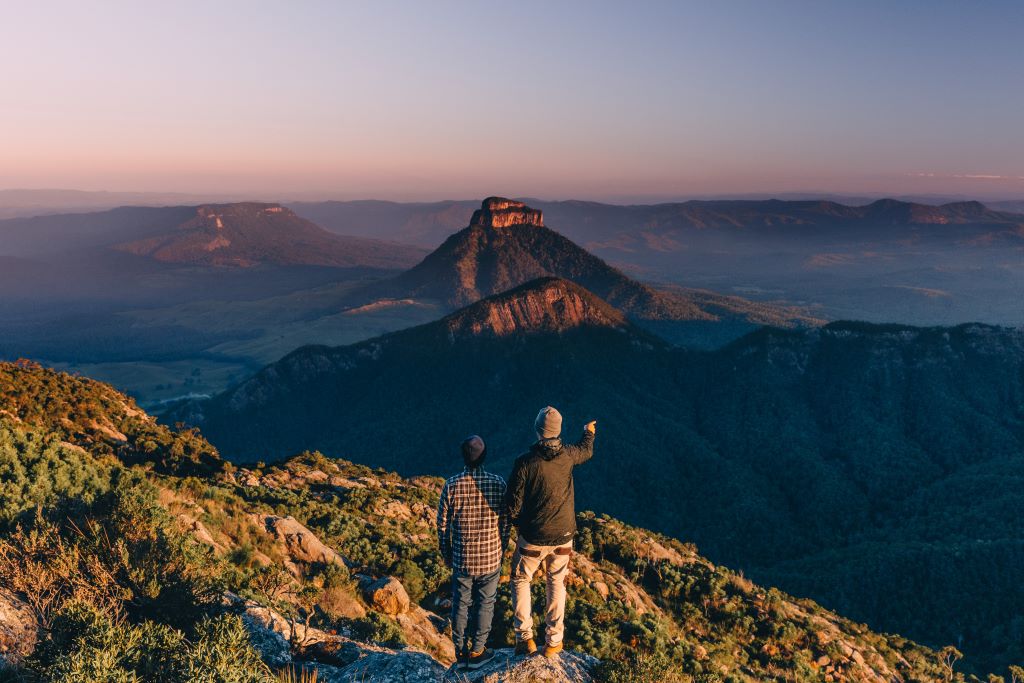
column 474, row 667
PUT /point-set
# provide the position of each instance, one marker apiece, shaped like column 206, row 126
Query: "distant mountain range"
column 249, row 234
column 241, row 235
column 507, row 244
column 836, row 461
column 666, row 227
column 883, row 261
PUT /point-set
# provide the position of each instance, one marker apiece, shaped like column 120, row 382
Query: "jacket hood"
column 547, row 449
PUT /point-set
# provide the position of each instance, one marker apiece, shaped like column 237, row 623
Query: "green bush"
column 637, row 667
column 223, row 654
column 412, row 578
column 377, row 628
column 87, row 644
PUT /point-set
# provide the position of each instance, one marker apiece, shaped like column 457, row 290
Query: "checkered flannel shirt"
column 472, row 526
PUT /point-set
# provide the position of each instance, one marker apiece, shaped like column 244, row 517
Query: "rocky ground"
column 507, row 667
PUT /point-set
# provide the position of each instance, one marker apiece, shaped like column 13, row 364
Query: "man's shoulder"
column 455, row 479
column 525, row 459
column 499, row 480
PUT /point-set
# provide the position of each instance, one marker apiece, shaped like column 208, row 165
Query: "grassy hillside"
column 834, row 462
column 128, row 569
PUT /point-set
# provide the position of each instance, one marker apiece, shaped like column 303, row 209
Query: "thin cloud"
column 967, row 176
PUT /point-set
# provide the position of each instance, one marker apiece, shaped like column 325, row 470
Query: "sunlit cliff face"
column 498, row 212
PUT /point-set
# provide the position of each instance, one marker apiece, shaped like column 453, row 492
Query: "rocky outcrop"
column 426, row 631
column 382, row 665
column 387, row 595
column 498, row 212
column 545, row 305
column 507, row 667
column 298, row 543
column 336, row 658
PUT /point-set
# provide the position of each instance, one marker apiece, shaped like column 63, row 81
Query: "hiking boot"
column 478, row 659
column 526, row 647
column 552, row 651
column 462, row 658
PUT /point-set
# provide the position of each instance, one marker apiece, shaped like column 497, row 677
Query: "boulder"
column 268, row 630
column 507, row 667
column 299, row 543
column 384, row 666
column 387, row 595
column 428, row 632
column 19, row 629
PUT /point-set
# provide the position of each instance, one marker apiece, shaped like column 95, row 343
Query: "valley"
column 802, row 452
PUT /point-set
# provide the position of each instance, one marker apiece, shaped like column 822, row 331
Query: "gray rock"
column 507, row 667
column 384, row 666
column 273, row 647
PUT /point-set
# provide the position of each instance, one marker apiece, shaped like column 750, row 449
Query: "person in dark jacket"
column 540, row 502
column 472, row 533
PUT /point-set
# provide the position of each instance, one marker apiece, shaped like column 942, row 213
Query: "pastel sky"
column 430, row 100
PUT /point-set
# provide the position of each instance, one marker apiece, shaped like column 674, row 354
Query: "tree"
column 948, row 657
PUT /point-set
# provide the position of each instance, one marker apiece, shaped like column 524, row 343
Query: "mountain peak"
column 498, row 212
column 245, row 234
column 547, row 304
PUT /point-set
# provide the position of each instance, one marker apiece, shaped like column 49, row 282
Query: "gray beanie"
column 473, row 451
column 548, row 423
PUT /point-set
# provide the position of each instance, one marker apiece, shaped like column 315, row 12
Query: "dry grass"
column 297, row 674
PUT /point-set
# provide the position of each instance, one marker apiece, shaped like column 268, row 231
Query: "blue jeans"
column 473, row 603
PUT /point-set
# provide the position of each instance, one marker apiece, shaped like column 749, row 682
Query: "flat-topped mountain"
column 498, row 212
column 239, row 234
column 507, row 244
column 249, row 233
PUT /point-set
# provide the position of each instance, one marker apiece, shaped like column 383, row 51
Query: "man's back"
column 541, row 495
column 471, row 521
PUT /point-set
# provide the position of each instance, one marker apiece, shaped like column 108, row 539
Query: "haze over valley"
column 461, row 342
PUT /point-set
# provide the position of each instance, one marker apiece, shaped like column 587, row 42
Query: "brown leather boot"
column 552, row 651
column 526, row 647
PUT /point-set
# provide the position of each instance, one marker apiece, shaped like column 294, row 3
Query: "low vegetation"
column 129, row 566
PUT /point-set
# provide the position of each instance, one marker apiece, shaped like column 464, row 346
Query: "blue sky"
column 551, row 99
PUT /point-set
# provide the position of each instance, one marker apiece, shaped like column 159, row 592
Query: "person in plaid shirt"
column 473, row 531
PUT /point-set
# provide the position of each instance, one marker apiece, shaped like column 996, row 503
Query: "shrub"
column 224, row 654
column 412, row 578
column 87, row 644
column 637, row 667
column 377, row 628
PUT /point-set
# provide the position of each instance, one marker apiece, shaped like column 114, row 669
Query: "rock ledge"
column 507, row 667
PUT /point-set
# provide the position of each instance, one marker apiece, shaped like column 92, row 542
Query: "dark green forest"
column 876, row 468
column 93, row 540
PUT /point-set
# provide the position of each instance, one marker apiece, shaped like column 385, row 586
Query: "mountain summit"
column 498, row 212
column 249, row 233
column 507, row 245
